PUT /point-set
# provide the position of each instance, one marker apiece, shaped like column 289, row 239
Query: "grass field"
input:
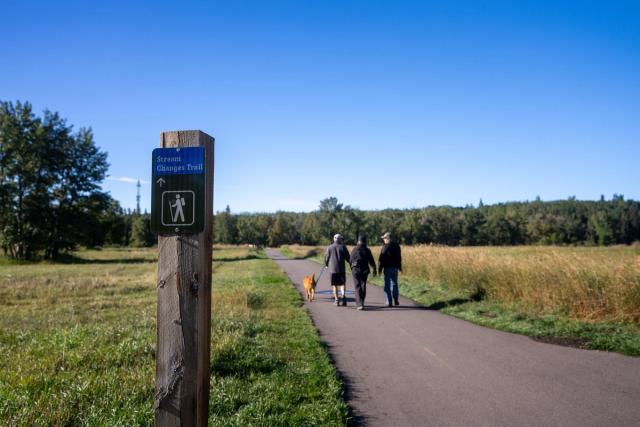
column 77, row 344
column 579, row 296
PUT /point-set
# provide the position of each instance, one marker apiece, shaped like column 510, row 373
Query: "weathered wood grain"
column 184, row 309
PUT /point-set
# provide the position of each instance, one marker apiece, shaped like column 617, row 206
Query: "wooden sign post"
column 184, row 284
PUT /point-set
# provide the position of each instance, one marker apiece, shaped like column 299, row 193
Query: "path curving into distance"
column 409, row 366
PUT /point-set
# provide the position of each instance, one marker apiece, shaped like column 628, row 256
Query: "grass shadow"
column 72, row 259
column 243, row 362
column 310, row 254
column 238, row 258
column 477, row 296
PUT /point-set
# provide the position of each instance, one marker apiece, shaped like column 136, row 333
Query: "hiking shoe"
column 361, row 307
column 344, row 301
column 389, row 305
column 396, row 302
column 336, row 303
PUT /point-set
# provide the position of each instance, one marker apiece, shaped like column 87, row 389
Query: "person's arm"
column 399, row 258
column 372, row 261
column 381, row 259
column 326, row 257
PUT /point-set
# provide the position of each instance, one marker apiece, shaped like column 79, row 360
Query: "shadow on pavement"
column 394, row 308
column 350, row 389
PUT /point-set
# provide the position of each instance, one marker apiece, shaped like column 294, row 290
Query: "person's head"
column 387, row 238
column 362, row 239
column 338, row 238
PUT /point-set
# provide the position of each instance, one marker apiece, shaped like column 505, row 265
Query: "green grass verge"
column 77, row 344
column 77, row 341
column 270, row 365
column 555, row 328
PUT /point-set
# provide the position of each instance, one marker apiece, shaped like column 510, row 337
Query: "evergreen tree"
column 50, row 183
column 141, row 231
column 225, row 227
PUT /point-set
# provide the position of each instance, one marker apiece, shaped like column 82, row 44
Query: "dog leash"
column 321, row 271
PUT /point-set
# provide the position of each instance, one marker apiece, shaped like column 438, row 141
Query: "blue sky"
column 382, row 104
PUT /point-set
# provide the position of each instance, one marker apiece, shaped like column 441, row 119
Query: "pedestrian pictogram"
column 177, row 196
column 178, row 208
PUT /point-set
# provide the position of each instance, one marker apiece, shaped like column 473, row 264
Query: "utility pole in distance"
column 182, row 213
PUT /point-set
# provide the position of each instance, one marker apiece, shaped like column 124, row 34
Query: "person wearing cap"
column 335, row 258
column 390, row 261
column 361, row 259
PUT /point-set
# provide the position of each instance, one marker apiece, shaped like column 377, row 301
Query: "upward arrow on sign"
column 160, row 181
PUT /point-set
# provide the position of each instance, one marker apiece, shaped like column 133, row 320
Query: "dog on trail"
column 309, row 283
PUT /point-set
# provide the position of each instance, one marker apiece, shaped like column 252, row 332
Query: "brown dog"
column 310, row 286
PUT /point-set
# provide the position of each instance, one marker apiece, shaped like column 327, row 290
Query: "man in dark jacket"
column 361, row 259
column 335, row 258
column 391, row 261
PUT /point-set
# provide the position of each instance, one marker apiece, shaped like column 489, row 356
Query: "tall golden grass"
column 586, row 283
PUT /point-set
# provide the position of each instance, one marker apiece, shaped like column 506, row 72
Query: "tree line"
column 51, row 198
column 51, row 201
column 563, row 222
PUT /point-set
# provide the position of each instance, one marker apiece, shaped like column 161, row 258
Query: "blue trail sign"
column 177, row 193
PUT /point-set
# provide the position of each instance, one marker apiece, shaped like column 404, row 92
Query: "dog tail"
column 313, row 277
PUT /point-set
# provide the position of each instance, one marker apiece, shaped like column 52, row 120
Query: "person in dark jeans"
column 335, row 258
column 391, row 261
column 361, row 259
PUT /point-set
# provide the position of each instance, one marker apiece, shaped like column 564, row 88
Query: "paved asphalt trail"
column 409, row 366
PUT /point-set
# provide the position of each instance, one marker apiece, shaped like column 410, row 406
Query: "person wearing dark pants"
column 334, row 259
column 361, row 259
column 391, row 261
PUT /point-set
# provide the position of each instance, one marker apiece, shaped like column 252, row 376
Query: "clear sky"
column 382, row 104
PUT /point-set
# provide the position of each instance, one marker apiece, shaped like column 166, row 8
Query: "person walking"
column 391, row 261
column 335, row 258
column 361, row 259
